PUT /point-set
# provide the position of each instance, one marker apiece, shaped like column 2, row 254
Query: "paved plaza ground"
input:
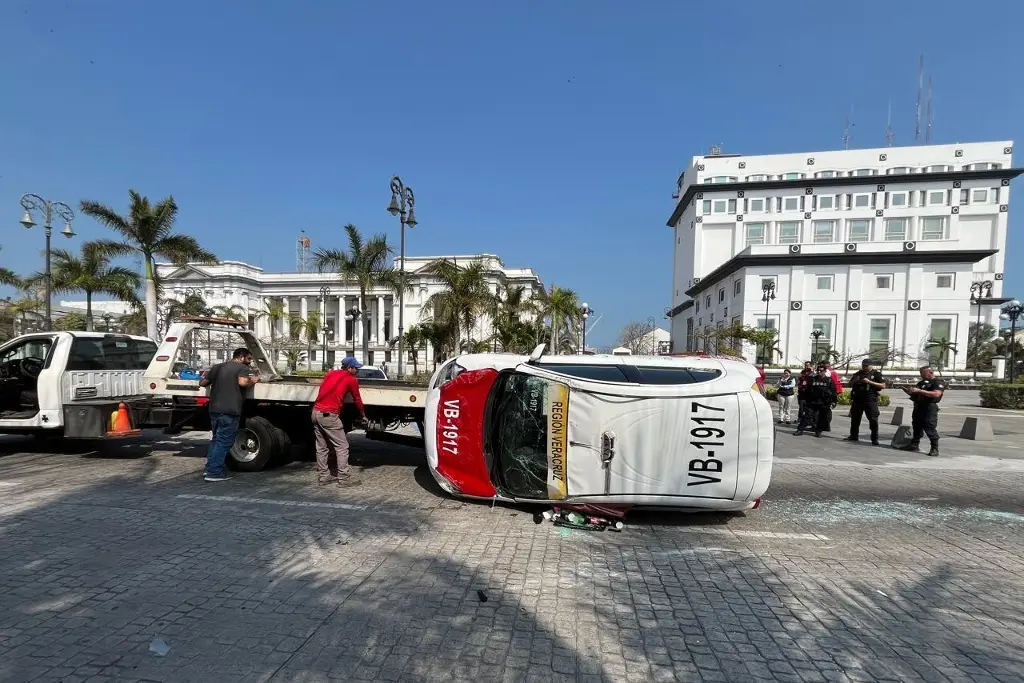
column 863, row 564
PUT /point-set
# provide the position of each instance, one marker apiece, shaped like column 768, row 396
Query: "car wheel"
column 256, row 445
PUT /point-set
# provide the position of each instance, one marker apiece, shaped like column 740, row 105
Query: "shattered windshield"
column 519, row 442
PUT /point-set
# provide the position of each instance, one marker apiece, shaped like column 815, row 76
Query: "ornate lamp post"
column 814, row 352
column 353, row 315
column 585, row 311
column 327, row 332
column 651, row 323
column 767, row 296
column 33, row 202
column 979, row 291
column 403, row 203
column 1011, row 312
column 106, row 319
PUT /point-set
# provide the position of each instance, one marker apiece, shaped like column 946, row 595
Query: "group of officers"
column 817, row 391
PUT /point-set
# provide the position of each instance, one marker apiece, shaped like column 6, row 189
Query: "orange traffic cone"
column 122, row 423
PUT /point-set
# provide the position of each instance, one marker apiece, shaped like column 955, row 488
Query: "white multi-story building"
column 233, row 283
column 875, row 249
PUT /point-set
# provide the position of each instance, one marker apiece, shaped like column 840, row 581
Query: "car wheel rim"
column 247, row 446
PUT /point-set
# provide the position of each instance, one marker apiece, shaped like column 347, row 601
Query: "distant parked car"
column 367, row 372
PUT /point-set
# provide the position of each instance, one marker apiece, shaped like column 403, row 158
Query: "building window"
column 879, row 339
column 706, row 207
column 933, row 228
column 707, row 301
column 937, row 197
column 883, row 282
column 722, row 179
column 898, row 170
column 721, row 294
column 756, row 178
column 824, row 283
column 896, row 229
column 898, row 199
column 824, row 202
column 944, row 280
column 732, row 206
column 719, row 206
column 981, row 167
column 824, row 342
column 763, row 352
column 791, row 203
column 789, row 232
column 863, row 172
column 755, row 233
column 826, row 174
column 862, row 201
column 979, row 196
column 737, row 287
column 858, row 230
column 938, row 169
column 791, row 176
column 941, row 333
column 755, row 205
column 824, row 232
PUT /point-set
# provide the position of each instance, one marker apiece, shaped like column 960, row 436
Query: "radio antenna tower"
column 302, row 253
column 889, row 135
column 846, row 129
column 920, row 86
column 928, row 114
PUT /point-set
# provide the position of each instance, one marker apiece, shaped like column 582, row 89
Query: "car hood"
column 458, row 432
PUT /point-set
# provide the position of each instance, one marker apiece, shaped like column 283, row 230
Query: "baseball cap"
column 351, row 362
column 867, row 361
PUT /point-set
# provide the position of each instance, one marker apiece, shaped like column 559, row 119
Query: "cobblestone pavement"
column 862, row 565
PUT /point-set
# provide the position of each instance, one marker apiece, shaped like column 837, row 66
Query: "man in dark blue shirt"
column 226, row 382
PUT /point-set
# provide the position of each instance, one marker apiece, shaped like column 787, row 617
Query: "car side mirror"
column 537, row 352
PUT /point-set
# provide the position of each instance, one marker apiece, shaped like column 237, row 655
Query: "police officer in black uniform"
column 820, row 396
column 925, row 419
column 864, row 387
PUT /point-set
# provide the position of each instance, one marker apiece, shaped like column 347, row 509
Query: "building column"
column 380, row 321
column 339, row 322
column 304, row 314
column 283, row 323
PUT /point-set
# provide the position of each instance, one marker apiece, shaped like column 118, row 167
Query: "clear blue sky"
column 549, row 133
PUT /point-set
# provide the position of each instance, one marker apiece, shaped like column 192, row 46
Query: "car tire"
column 255, row 447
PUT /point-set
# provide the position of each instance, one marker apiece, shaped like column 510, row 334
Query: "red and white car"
column 631, row 431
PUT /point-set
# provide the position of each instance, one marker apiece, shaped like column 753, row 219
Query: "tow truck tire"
column 256, row 445
column 284, row 446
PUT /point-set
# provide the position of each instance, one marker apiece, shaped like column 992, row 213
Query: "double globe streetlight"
column 403, row 203
column 34, row 203
column 1012, row 311
column 585, row 311
column 979, row 291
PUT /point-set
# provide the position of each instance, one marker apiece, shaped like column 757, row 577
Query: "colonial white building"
column 233, row 283
column 875, row 249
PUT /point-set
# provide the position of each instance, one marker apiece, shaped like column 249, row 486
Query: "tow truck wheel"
column 284, row 446
column 256, row 445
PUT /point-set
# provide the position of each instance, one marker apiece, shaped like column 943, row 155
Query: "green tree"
column 90, row 272
column 233, row 312
column 148, row 230
column 274, row 312
column 135, row 321
column 562, row 308
column 938, row 352
column 439, row 336
column 71, row 322
column 310, row 325
column 979, row 350
column 414, row 340
column 463, row 298
column 364, row 264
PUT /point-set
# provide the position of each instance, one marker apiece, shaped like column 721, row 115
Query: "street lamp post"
column 353, row 315
column 33, row 202
column 106, row 319
column 814, row 351
column 767, row 296
column 585, row 311
column 403, row 203
column 979, row 291
column 1011, row 312
column 327, row 331
column 651, row 322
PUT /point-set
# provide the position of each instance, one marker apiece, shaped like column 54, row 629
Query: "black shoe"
column 913, row 448
column 852, row 438
column 934, row 451
column 817, row 434
column 798, row 432
column 874, row 442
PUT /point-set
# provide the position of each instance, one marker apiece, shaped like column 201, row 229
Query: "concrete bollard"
column 897, row 416
column 903, row 436
column 976, row 429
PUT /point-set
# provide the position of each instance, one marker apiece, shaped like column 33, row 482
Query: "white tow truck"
column 68, row 384
column 277, row 412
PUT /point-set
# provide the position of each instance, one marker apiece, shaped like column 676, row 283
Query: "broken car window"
column 520, row 436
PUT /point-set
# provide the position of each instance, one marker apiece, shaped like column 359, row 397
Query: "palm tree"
column 441, row 337
column 562, row 306
column 414, row 339
column 311, row 326
column 233, row 312
column 148, row 230
column 90, row 273
column 292, row 358
column 939, row 350
column 134, row 322
column 365, row 264
column 463, row 298
column 9, row 277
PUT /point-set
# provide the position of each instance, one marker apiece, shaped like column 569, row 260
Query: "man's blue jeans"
column 225, row 427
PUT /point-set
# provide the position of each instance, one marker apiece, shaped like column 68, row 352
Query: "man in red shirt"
column 327, row 424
